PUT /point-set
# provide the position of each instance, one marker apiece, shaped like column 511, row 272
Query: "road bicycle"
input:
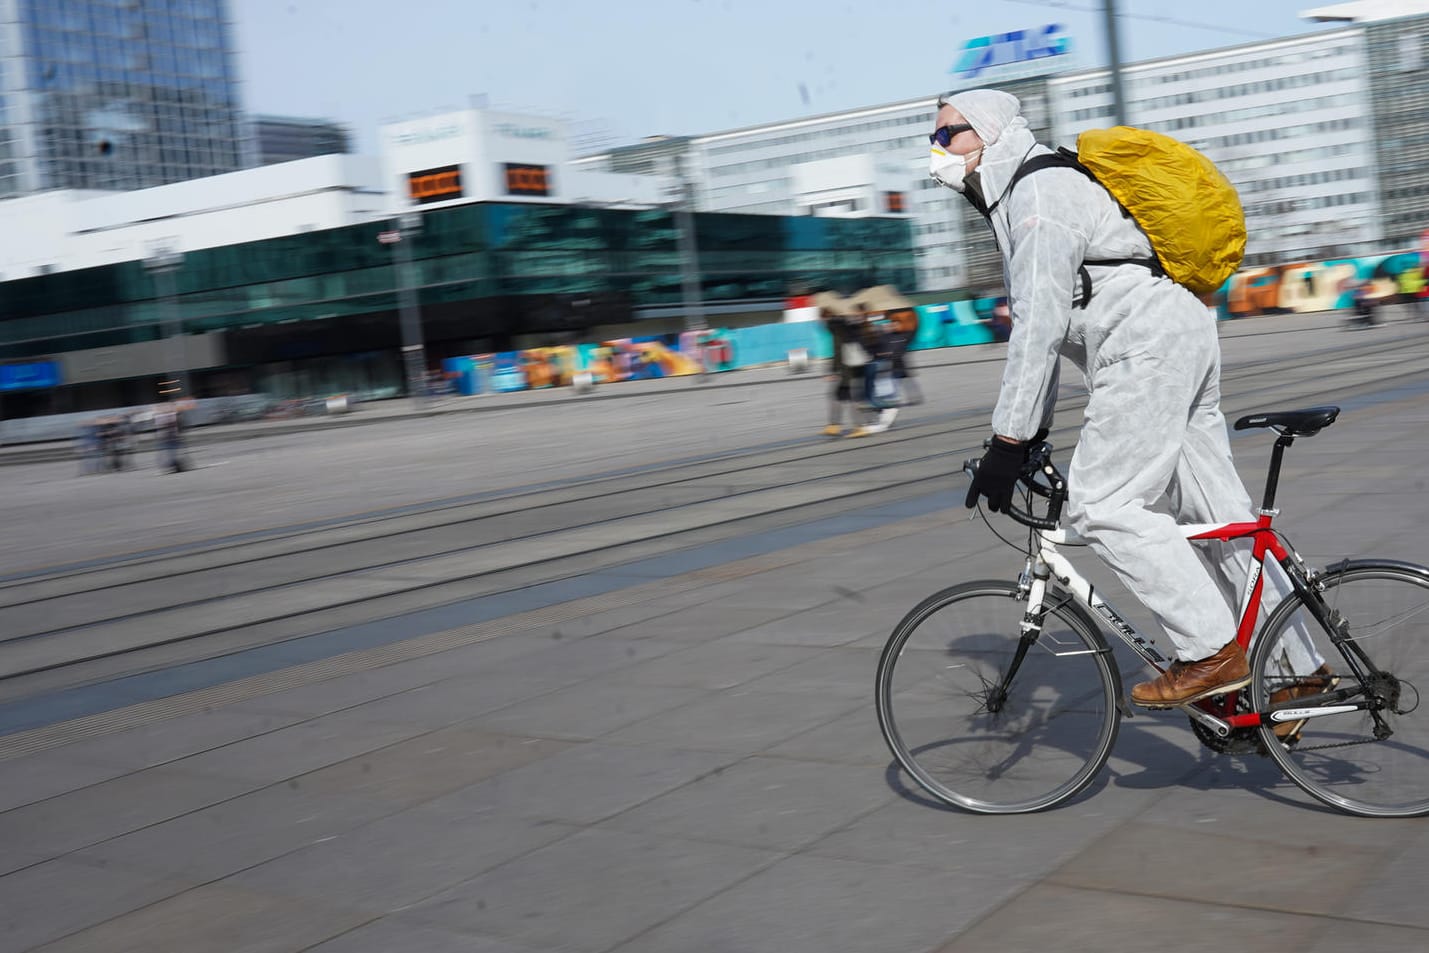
column 1004, row 697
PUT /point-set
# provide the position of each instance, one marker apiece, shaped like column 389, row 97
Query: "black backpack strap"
column 1063, row 158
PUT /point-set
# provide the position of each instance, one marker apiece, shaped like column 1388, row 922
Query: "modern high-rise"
column 116, row 94
column 287, row 138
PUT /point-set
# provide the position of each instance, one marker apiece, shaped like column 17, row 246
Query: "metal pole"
column 162, row 264
column 689, row 254
column 1113, row 50
column 414, row 356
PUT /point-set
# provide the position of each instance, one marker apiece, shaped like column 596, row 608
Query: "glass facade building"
column 1398, row 53
column 318, row 312
column 284, row 139
column 116, row 94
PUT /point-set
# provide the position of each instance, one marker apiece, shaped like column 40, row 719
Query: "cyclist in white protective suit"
column 1153, row 428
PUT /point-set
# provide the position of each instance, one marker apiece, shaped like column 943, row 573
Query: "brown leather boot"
column 1321, row 681
column 1186, row 682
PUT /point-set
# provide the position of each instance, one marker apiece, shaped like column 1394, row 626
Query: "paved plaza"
column 645, row 724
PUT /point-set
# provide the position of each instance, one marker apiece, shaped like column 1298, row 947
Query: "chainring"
column 1239, row 741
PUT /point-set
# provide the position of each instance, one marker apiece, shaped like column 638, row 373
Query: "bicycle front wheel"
column 969, row 744
column 1347, row 759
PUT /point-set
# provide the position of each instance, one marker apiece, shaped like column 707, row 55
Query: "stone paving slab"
column 587, row 783
column 87, row 815
column 58, row 897
column 306, row 746
column 403, row 859
column 760, row 802
column 591, row 890
column 213, row 842
column 390, row 935
column 588, row 710
column 817, row 904
column 421, row 769
column 215, row 918
column 1071, row 920
column 701, row 770
column 1263, row 872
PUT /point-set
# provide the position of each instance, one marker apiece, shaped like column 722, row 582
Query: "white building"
column 68, row 229
column 467, row 156
column 477, row 155
column 1288, row 121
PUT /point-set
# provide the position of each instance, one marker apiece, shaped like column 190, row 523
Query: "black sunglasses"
column 944, row 136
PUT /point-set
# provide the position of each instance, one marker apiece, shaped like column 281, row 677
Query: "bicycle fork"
column 1031, row 586
column 1032, row 589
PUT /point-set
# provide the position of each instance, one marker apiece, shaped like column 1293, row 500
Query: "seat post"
column 1272, row 479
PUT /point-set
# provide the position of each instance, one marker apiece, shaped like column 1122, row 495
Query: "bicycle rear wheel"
column 938, row 708
column 1337, row 757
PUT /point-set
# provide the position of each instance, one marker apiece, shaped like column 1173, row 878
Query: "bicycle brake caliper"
column 1024, row 581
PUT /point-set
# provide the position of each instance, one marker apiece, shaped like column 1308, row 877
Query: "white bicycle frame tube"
column 1050, row 558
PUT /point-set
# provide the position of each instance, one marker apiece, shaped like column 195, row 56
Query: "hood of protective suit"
column 997, row 119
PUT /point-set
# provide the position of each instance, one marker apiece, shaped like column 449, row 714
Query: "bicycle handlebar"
column 1039, row 465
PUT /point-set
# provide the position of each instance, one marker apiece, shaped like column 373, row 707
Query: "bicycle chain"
column 1338, row 744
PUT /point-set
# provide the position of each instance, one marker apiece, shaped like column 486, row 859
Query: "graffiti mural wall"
column 1303, row 287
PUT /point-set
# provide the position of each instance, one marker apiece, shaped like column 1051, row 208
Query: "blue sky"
column 632, row 68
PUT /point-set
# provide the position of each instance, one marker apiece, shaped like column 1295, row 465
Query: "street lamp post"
column 163, row 262
column 688, row 249
column 1113, row 47
column 414, row 356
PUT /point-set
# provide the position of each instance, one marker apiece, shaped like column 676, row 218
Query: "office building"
column 1324, row 135
column 116, row 94
column 286, row 138
column 1287, row 121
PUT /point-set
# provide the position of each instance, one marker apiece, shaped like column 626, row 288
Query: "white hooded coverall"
column 1148, row 347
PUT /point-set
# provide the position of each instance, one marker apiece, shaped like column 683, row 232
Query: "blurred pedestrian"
column 898, row 321
column 111, row 453
column 846, row 364
column 1410, row 284
column 89, row 447
column 168, row 434
column 880, row 390
column 904, row 323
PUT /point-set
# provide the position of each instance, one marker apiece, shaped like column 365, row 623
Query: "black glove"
column 997, row 475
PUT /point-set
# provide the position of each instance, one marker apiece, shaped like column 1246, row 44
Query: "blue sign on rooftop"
column 1003, row 49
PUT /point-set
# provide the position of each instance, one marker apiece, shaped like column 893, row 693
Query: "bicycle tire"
column 1335, row 758
column 1049, row 740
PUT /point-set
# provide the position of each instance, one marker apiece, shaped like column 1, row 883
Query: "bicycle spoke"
column 974, row 737
column 1374, row 760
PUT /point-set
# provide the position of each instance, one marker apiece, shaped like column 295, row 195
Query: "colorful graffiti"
column 1293, row 288
column 622, row 359
column 1304, row 287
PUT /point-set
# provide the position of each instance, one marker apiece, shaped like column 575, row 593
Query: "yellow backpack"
column 1177, row 196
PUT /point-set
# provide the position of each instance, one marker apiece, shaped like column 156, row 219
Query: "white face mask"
column 949, row 169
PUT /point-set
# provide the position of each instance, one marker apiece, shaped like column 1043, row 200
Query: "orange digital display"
column 893, row 201
column 435, row 185
column 527, row 179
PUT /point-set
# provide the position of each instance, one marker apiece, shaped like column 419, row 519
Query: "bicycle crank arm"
column 1220, row 727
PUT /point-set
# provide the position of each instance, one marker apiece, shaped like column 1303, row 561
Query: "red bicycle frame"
column 1265, row 541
